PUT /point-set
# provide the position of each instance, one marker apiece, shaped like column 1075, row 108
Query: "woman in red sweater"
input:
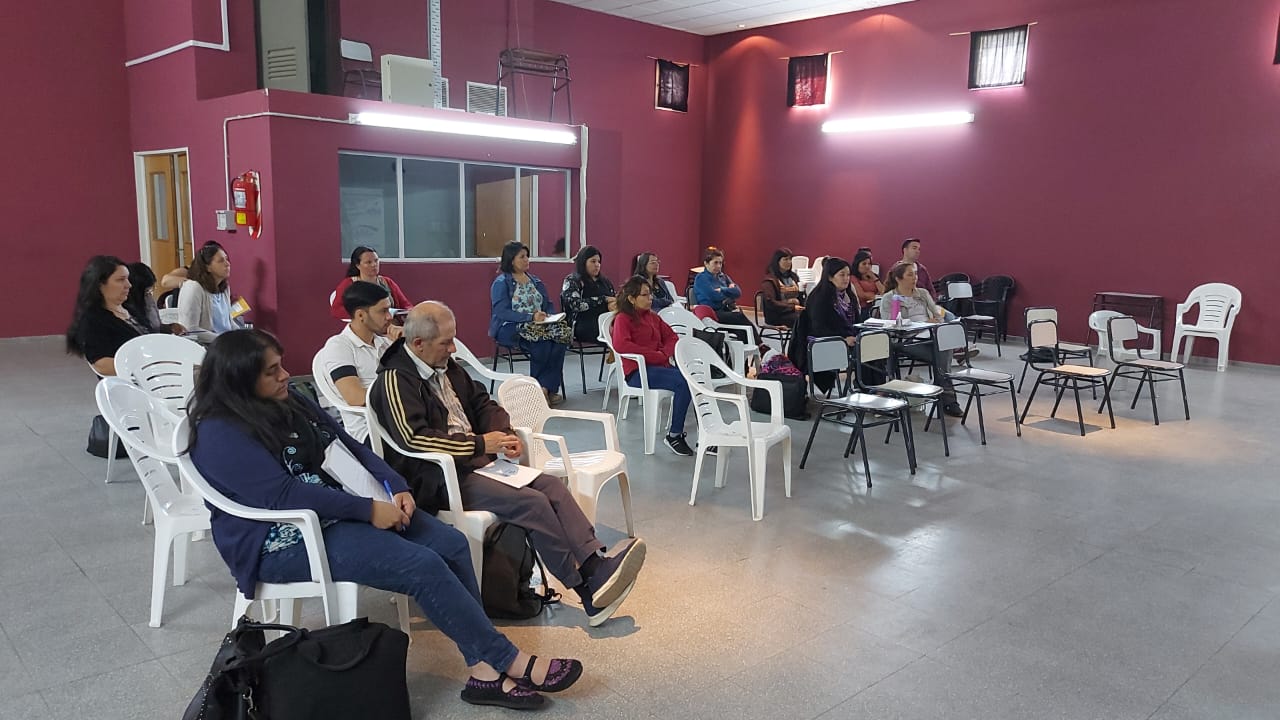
column 637, row 330
column 364, row 266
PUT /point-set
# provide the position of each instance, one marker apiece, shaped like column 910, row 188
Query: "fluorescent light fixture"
column 459, row 127
column 893, row 122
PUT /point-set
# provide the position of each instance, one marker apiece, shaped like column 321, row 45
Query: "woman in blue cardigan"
column 520, row 309
column 266, row 447
column 713, row 288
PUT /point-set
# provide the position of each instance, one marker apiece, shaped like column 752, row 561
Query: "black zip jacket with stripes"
column 418, row 422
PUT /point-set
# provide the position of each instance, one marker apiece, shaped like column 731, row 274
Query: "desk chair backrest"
column 827, row 354
column 951, row 336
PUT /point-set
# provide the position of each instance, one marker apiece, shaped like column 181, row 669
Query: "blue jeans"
column 429, row 561
column 667, row 378
column 546, row 362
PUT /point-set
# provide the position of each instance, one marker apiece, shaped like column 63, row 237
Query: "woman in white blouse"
column 204, row 303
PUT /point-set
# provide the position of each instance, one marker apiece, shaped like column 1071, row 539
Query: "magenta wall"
column 68, row 188
column 1139, row 156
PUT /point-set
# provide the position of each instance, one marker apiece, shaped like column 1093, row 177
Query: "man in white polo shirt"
column 351, row 357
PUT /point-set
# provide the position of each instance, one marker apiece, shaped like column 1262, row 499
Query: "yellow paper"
column 239, row 307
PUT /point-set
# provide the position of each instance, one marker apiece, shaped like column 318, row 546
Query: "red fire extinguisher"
column 246, row 199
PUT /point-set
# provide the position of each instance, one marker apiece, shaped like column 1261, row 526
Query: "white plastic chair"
column 695, row 360
column 163, row 365
column 1098, row 323
column 671, row 289
column 329, row 391
column 1220, row 303
column 586, row 472
column 339, row 598
column 472, row 523
column 135, row 417
column 683, row 322
column 799, row 262
column 113, row 443
column 463, row 355
column 650, row 398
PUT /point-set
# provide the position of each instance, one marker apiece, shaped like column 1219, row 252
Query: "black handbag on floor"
column 100, row 440
column 795, row 396
column 356, row 669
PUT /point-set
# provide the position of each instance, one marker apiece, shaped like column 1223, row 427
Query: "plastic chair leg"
column 759, row 458
column 159, row 570
column 624, row 488
column 112, row 443
column 786, row 465
column 697, row 472
column 722, row 465
column 651, row 414
column 180, row 544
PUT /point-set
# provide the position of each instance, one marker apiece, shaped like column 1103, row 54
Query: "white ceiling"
column 712, row 17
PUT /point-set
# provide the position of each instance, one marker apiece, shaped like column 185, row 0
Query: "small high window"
column 998, row 58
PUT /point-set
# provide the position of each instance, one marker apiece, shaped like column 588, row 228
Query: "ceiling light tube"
column 894, row 122
column 461, row 127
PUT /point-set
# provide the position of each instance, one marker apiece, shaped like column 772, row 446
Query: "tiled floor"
column 1132, row 573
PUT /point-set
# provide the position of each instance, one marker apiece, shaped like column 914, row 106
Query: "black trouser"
column 735, row 317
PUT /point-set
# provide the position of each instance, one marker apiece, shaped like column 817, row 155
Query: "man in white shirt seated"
column 350, row 358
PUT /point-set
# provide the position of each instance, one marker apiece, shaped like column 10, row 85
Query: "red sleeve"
column 398, row 298
column 335, row 308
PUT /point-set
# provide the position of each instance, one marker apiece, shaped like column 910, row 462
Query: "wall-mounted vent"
column 442, row 101
column 482, row 98
column 281, row 64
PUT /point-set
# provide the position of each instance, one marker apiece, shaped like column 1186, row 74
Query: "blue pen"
column 392, row 496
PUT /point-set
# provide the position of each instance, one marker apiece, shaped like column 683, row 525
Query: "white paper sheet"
column 505, row 471
column 346, row 469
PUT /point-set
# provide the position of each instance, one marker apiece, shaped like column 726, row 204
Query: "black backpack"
column 795, row 396
column 508, row 570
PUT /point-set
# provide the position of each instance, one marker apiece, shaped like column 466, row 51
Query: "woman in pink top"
column 364, row 266
column 639, row 331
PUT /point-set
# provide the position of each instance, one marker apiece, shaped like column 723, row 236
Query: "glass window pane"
column 160, row 205
column 549, row 189
column 432, row 222
column 490, row 213
column 367, row 194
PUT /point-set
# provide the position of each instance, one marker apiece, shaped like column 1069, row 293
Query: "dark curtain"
column 673, row 86
column 807, row 80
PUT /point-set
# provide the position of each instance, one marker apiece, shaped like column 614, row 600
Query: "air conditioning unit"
column 486, row 99
column 408, row 80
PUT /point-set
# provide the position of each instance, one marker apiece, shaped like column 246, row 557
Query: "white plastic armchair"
column 683, row 322
column 472, row 523
column 1220, row 303
column 329, row 391
column 468, row 359
column 695, row 360
column 339, row 598
column 1098, row 323
column 586, row 472
column 650, row 398
column 137, row 419
column 671, row 289
column 163, row 365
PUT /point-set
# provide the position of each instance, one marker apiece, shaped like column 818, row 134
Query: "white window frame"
column 519, row 171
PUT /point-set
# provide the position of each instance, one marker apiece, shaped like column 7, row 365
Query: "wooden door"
column 186, row 248
column 495, row 215
column 162, row 213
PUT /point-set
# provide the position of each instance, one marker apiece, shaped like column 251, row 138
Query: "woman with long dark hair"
column 586, row 294
column 100, row 324
column 204, row 303
column 265, row 446
column 866, row 285
column 365, row 265
column 141, row 303
column 783, row 299
column 521, row 306
column 647, row 267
